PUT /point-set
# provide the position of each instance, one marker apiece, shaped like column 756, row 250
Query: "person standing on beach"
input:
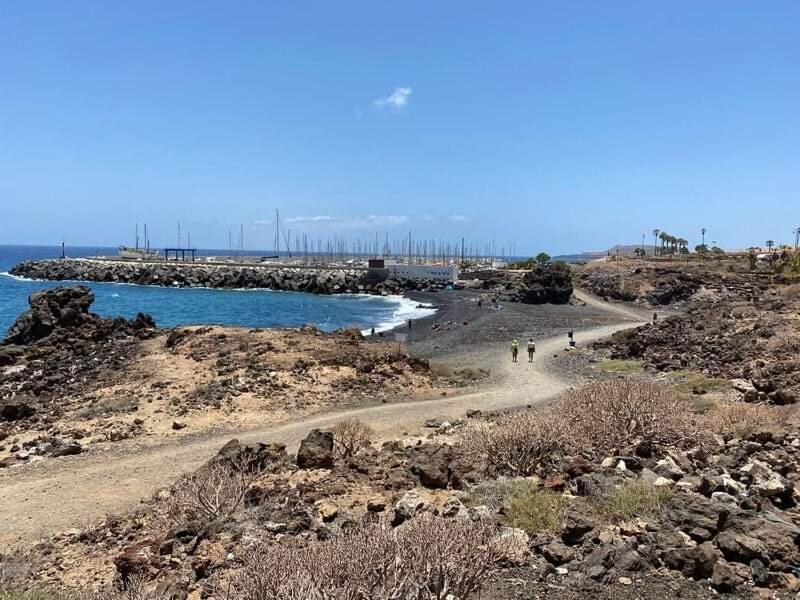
column 531, row 350
column 480, row 303
column 514, row 350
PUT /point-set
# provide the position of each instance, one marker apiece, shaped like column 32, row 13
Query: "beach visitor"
column 514, row 350
column 531, row 350
column 480, row 303
column 655, row 317
column 372, row 333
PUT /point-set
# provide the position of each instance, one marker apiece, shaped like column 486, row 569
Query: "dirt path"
column 58, row 494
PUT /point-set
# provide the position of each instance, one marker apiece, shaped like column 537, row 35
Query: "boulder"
column 576, row 522
column 696, row 515
column 407, row 507
column 697, row 562
column 605, row 563
column 15, row 411
column 316, row 450
column 727, row 577
column 51, row 308
column 434, row 465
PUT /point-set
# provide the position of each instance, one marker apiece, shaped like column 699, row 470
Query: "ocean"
column 191, row 306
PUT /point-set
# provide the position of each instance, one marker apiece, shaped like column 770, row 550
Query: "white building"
column 424, row 272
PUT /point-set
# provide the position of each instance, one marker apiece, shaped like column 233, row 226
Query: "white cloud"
column 398, row 99
column 350, row 222
column 460, row 218
column 262, row 222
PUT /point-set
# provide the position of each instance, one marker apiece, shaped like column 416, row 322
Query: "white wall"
column 424, row 272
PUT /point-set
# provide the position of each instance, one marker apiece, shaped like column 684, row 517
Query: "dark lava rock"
column 316, row 450
column 576, row 522
column 15, row 411
column 256, row 457
column 435, row 465
column 59, row 307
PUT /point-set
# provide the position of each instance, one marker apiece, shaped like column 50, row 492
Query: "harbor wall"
column 228, row 276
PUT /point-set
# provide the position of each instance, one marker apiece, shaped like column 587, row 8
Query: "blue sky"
column 562, row 126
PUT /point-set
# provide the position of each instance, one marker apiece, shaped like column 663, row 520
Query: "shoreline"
column 405, row 307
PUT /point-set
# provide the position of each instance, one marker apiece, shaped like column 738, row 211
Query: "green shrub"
column 691, row 382
column 634, row 499
column 534, row 509
column 620, row 366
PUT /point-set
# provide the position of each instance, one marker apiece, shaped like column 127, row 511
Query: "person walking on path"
column 514, row 350
column 531, row 350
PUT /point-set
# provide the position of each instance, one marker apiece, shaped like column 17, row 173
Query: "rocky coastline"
column 543, row 285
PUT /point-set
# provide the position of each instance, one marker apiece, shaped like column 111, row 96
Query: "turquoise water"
column 177, row 306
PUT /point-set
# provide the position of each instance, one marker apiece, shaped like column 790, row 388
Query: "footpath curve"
column 58, row 494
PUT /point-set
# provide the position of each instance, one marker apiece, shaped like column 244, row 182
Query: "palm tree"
column 770, row 244
column 663, row 236
column 655, row 239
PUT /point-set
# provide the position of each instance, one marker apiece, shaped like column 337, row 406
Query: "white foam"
column 17, row 277
column 406, row 309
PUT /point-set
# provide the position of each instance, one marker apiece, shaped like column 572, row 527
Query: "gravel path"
column 56, row 494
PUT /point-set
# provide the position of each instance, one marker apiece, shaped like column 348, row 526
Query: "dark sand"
column 460, row 333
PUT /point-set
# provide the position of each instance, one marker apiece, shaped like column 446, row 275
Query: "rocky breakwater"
column 549, row 284
column 47, row 358
column 288, row 279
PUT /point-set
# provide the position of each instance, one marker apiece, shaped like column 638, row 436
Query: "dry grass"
column 742, row 418
column 350, row 437
column 428, row 558
column 792, row 292
column 784, row 343
column 495, row 493
column 634, row 499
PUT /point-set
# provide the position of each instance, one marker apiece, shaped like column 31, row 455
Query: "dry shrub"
column 495, row 493
column 604, row 418
column 520, row 445
column 784, row 343
column 213, row 492
column 792, row 292
column 742, row 418
column 596, row 421
column 350, row 437
column 136, row 589
column 428, row 558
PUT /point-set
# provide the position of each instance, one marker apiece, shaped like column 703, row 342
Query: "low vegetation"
column 634, row 499
column 742, row 418
column 350, row 437
column 212, row 493
column 616, row 365
column 534, row 509
column 595, row 421
column 430, row 558
column 692, row 382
